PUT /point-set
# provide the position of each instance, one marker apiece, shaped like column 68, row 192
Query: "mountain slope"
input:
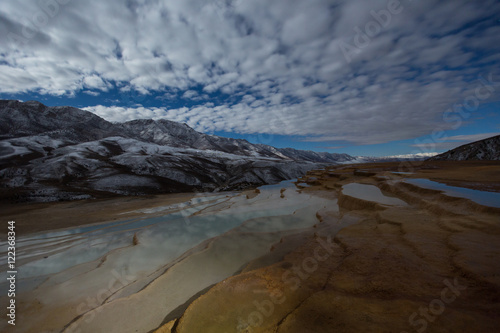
column 169, row 133
column 55, row 153
column 31, row 118
column 487, row 149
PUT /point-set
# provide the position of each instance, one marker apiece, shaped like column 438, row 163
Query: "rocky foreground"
column 428, row 266
column 358, row 248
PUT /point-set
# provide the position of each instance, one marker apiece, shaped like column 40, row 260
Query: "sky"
column 363, row 77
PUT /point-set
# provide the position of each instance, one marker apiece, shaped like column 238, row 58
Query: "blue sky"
column 363, row 77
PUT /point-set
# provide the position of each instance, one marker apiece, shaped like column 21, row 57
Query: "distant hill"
column 57, row 153
column 483, row 150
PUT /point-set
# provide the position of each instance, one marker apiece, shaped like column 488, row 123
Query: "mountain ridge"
column 159, row 132
column 486, row 149
column 59, row 153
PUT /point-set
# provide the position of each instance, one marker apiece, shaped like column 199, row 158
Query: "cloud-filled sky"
column 369, row 77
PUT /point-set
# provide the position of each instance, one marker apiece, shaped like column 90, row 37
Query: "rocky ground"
column 429, row 266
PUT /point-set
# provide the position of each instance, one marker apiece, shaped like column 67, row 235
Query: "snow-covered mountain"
column 54, row 153
column 487, row 149
column 32, row 118
column 169, row 133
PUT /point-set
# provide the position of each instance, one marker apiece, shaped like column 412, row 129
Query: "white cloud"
column 451, row 142
column 95, row 82
column 122, row 114
column 471, row 137
column 190, row 94
column 276, row 67
column 91, row 93
column 417, row 155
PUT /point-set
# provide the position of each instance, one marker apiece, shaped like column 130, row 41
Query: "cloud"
column 417, row 155
column 189, row 94
column 472, row 137
column 123, row 114
column 274, row 67
column 451, row 142
column 95, row 82
column 331, row 147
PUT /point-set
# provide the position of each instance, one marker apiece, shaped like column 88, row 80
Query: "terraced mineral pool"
column 178, row 251
column 491, row 199
column 370, row 193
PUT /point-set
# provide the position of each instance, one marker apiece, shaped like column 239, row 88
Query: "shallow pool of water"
column 370, row 193
column 491, row 199
column 283, row 184
column 165, row 235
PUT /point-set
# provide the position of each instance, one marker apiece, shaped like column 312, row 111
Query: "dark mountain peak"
column 171, row 122
column 144, row 121
column 32, row 118
column 486, row 150
column 16, row 104
column 160, row 123
column 33, row 103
